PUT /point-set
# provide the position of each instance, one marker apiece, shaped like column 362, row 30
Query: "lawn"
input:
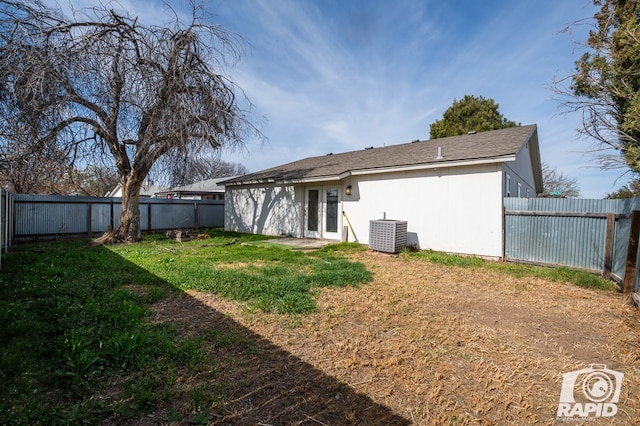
column 209, row 333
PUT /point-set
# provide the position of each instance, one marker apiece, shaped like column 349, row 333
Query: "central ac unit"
column 389, row 236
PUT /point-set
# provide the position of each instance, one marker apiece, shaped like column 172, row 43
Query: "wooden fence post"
column 149, row 217
column 632, row 255
column 195, row 215
column 608, row 245
column 89, row 218
column 111, row 214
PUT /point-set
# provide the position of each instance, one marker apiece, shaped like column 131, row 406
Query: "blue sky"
column 334, row 76
column 339, row 75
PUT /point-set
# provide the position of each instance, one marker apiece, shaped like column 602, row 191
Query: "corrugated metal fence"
column 580, row 233
column 45, row 217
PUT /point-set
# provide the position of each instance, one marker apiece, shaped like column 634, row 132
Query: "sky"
column 340, row 75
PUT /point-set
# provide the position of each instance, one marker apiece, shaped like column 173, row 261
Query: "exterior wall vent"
column 389, row 236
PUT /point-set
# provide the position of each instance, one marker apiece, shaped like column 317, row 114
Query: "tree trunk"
column 129, row 230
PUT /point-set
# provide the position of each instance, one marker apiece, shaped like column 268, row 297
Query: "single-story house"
column 209, row 189
column 147, row 190
column 449, row 190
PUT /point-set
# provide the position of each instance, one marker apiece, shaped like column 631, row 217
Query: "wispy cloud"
column 334, row 76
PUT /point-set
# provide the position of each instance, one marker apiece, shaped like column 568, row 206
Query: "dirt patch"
column 422, row 344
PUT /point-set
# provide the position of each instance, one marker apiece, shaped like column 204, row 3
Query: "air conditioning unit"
column 389, row 236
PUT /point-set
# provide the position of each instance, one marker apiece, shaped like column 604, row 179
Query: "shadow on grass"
column 83, row 316
column 266, row 384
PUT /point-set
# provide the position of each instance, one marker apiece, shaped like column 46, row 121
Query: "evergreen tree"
column 630, row 190
column 470, row 114
column 606, row 84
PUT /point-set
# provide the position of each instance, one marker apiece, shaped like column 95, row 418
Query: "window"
column 528, row 193
column 312, row 209
column 507, row 185
column 519, row 190
column 332, row 210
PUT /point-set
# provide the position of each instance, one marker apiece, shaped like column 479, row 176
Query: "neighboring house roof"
column 146, row 190
column 484, row 147
column 209, row 186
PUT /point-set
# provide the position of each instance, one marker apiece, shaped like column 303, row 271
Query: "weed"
column 122, row 347
column 200, row 418
column 142, row 392
column 77, row 362
column 189, row 353
column 220, row 339
column 172, row 415
column 203, row 398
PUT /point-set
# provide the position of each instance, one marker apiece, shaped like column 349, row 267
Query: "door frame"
column 323, row 208
column 306, row 233
column 331, row 235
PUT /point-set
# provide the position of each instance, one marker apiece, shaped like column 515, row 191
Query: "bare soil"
column 421, row 344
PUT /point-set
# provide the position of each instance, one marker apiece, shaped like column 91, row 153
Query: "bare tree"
column 25, row 170
column 94, row 181
column 195, row 169
column 556, row 184
column 107, row 85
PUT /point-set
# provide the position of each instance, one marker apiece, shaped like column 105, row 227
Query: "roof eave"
column 379, row 170
column 438, row 165
column 287, row 181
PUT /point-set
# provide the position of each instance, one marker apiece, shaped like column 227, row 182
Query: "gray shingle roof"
column 479, row 146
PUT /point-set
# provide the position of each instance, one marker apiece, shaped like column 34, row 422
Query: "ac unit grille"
column 389, row 236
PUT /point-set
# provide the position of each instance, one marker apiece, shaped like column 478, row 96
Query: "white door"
column 322, row 214
column 332, row 215
column 313, row 213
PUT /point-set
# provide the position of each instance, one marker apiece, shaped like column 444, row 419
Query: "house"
column 147, row 190
column 209, row 189
column 449, row 190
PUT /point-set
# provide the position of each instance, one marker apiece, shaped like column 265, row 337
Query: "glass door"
column 312, row 213
column 332, row 213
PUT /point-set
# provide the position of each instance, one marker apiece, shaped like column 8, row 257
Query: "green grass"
column 74, row 319
column 77, row 346
column 269, row 277
column 558, row 274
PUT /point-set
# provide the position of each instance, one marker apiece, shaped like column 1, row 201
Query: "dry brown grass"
column 426, row 344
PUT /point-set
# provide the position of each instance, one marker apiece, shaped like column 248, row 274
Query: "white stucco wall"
column 454, row 210
column 262, row 209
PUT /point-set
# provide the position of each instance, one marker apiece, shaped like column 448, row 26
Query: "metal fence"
column 6, row 230
column 580, row 233
column 38, row 217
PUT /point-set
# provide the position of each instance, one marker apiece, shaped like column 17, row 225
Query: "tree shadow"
column 241, row 378
column 266, row 384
